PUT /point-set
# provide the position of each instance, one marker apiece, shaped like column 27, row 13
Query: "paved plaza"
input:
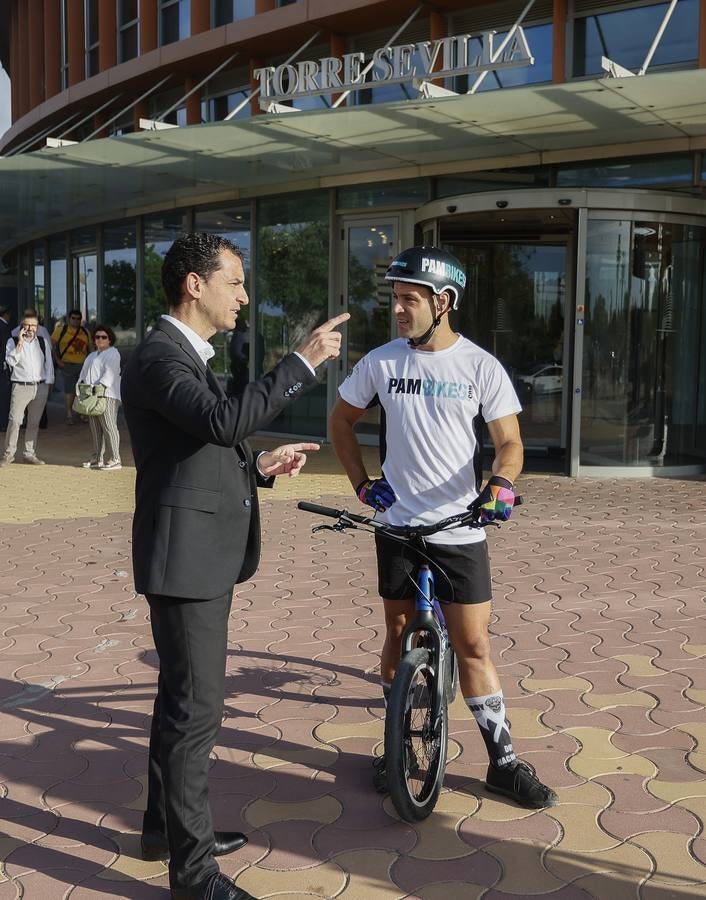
column 599, row 634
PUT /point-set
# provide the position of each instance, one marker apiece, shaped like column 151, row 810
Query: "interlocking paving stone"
column 599, row 634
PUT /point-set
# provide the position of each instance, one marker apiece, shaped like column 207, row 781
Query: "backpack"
column 42, row 344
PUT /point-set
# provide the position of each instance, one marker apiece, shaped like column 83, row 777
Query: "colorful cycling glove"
column 495, row 501
column 376, row 492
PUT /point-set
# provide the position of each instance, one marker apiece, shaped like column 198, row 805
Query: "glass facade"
column 120, row 283
column 232, row 359
column 174, row 20
column 128, row 27
column 225, row 11
column 643, row 344
column 625, row 35
column 160, row 232
column 58, row 280
column 39, row 296
column 292, row 293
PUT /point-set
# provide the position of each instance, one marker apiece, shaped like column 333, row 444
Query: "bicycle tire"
column 415, row 758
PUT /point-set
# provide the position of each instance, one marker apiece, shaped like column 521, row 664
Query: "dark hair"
column 193, row 252
column 30, row 311
column 75, row 312
column 108, row 330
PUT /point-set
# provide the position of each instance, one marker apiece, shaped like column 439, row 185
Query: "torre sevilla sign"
column 465, row 54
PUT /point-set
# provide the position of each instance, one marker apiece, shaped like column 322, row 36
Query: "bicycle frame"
column 429, row 619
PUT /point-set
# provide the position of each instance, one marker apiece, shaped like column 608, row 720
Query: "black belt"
column 27, row 383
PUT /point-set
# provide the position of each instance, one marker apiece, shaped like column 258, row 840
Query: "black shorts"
column 465, row 568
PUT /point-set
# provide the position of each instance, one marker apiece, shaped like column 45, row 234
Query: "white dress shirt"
column 202, row 347
column 27, row 363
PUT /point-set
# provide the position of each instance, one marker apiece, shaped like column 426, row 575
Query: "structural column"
column 200, row 16
column 264, row 6
column 14, row 71
column 338, row 48
column 77, row 41
column 438, row 30
column 559, row 41
column 52, row 48
column 193, row 102
column 21, row 85
column 107, row 36
column 255, row 63
column 36, row 55
column 148, row 27
column 702, row 34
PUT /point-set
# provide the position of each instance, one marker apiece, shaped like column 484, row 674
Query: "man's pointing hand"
column 323, row 343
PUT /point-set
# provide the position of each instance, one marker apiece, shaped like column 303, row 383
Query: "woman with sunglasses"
column 103, row 367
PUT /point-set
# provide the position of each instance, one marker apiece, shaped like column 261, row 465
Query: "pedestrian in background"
column 5, row 387
column 72, row 343
column 31, row 372
column 103, row 367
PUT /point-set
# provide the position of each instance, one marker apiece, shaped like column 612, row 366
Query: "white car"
column 545, row 378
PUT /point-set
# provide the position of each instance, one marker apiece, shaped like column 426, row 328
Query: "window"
column 128, row 30
column 120, row 282
column 647, row 171
column 225, row 11
column 215, row 109
column 91, row 31
column 160, row 233
column 64, row 45
column 625, row 36
column 285, row 2
column 174, row 21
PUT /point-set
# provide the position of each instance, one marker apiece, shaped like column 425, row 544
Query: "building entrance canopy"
column 51, row 189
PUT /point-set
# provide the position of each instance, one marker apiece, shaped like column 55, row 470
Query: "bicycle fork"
column 425, row 621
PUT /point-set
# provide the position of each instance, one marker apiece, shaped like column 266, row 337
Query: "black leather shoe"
column 216, row 887
column 155, row 847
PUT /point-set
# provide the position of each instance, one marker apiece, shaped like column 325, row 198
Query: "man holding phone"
column 31, row 373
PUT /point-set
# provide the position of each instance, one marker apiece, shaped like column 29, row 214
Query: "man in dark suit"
column 196, row 533
column 5, row 387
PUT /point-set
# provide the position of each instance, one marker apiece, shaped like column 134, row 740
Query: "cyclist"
column 434, row 386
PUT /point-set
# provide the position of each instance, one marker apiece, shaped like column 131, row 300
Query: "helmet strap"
column 426, row 337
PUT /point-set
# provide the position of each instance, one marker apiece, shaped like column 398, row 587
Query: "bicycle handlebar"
column 469, row 518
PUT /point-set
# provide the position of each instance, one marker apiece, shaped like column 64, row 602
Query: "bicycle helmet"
column 436, row 269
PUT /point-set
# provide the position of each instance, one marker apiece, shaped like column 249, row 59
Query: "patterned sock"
column 386, row 686
column 489, row 712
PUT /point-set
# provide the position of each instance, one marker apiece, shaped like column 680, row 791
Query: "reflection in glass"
column 643, row 328
column 119, row 283
column 539, row 40
column 85, row 273
column 292, row 294
column 649, row 171
column 39, row 295
column 514, row 307
column 225, row 11
column 370, row 250
column 160, row 233
column 625, row 36
column 232, row 349
column 57, row 280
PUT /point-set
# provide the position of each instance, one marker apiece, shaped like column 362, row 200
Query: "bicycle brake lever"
column 339, row 526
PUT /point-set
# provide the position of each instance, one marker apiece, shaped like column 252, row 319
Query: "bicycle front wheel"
column 415, row 752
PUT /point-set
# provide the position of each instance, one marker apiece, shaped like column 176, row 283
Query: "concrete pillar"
column 193, row 102
column 702, row 34
column 77, row 41
column 148, row 27
column 14, row 54
column 559, row 41
column 36, row 56
column 200, row 16
column 107, row 36
column 22, row 58
column 438, row 30
column 52, row 48
column 264, row 6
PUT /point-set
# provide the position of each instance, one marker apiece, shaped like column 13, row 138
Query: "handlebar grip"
column 319, row 510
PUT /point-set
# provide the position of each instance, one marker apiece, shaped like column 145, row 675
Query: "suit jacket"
column 196, row 529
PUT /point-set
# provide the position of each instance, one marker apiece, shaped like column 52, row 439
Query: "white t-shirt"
column 432, row 402
column 103, row 367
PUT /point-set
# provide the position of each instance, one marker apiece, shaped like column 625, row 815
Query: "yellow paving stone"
column 492, row 810
column 616, row 886
column 326, row 880
column 523, row 872
column 694, row 649
column 447, row 890
column 696, row 695
column 316, row 757
column 263, row 812
column 368, row 875
column 625, row 862
column 437, row 836
column 696, row 730
column 676, row 791
column 129, row 865
column 629, row 698
column 598, row 756
column 331, row 733
column 675, row 865
column 589, row 793
column 640, row 666
column 568, row 683
column 140, row 802
column 580, row 827
column 7, row 845
column 526, row 723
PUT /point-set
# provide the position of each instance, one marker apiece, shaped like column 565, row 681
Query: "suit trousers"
column 191, row 638
column 30, row 397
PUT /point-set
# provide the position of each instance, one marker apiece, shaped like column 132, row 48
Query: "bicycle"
column 426, row 680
